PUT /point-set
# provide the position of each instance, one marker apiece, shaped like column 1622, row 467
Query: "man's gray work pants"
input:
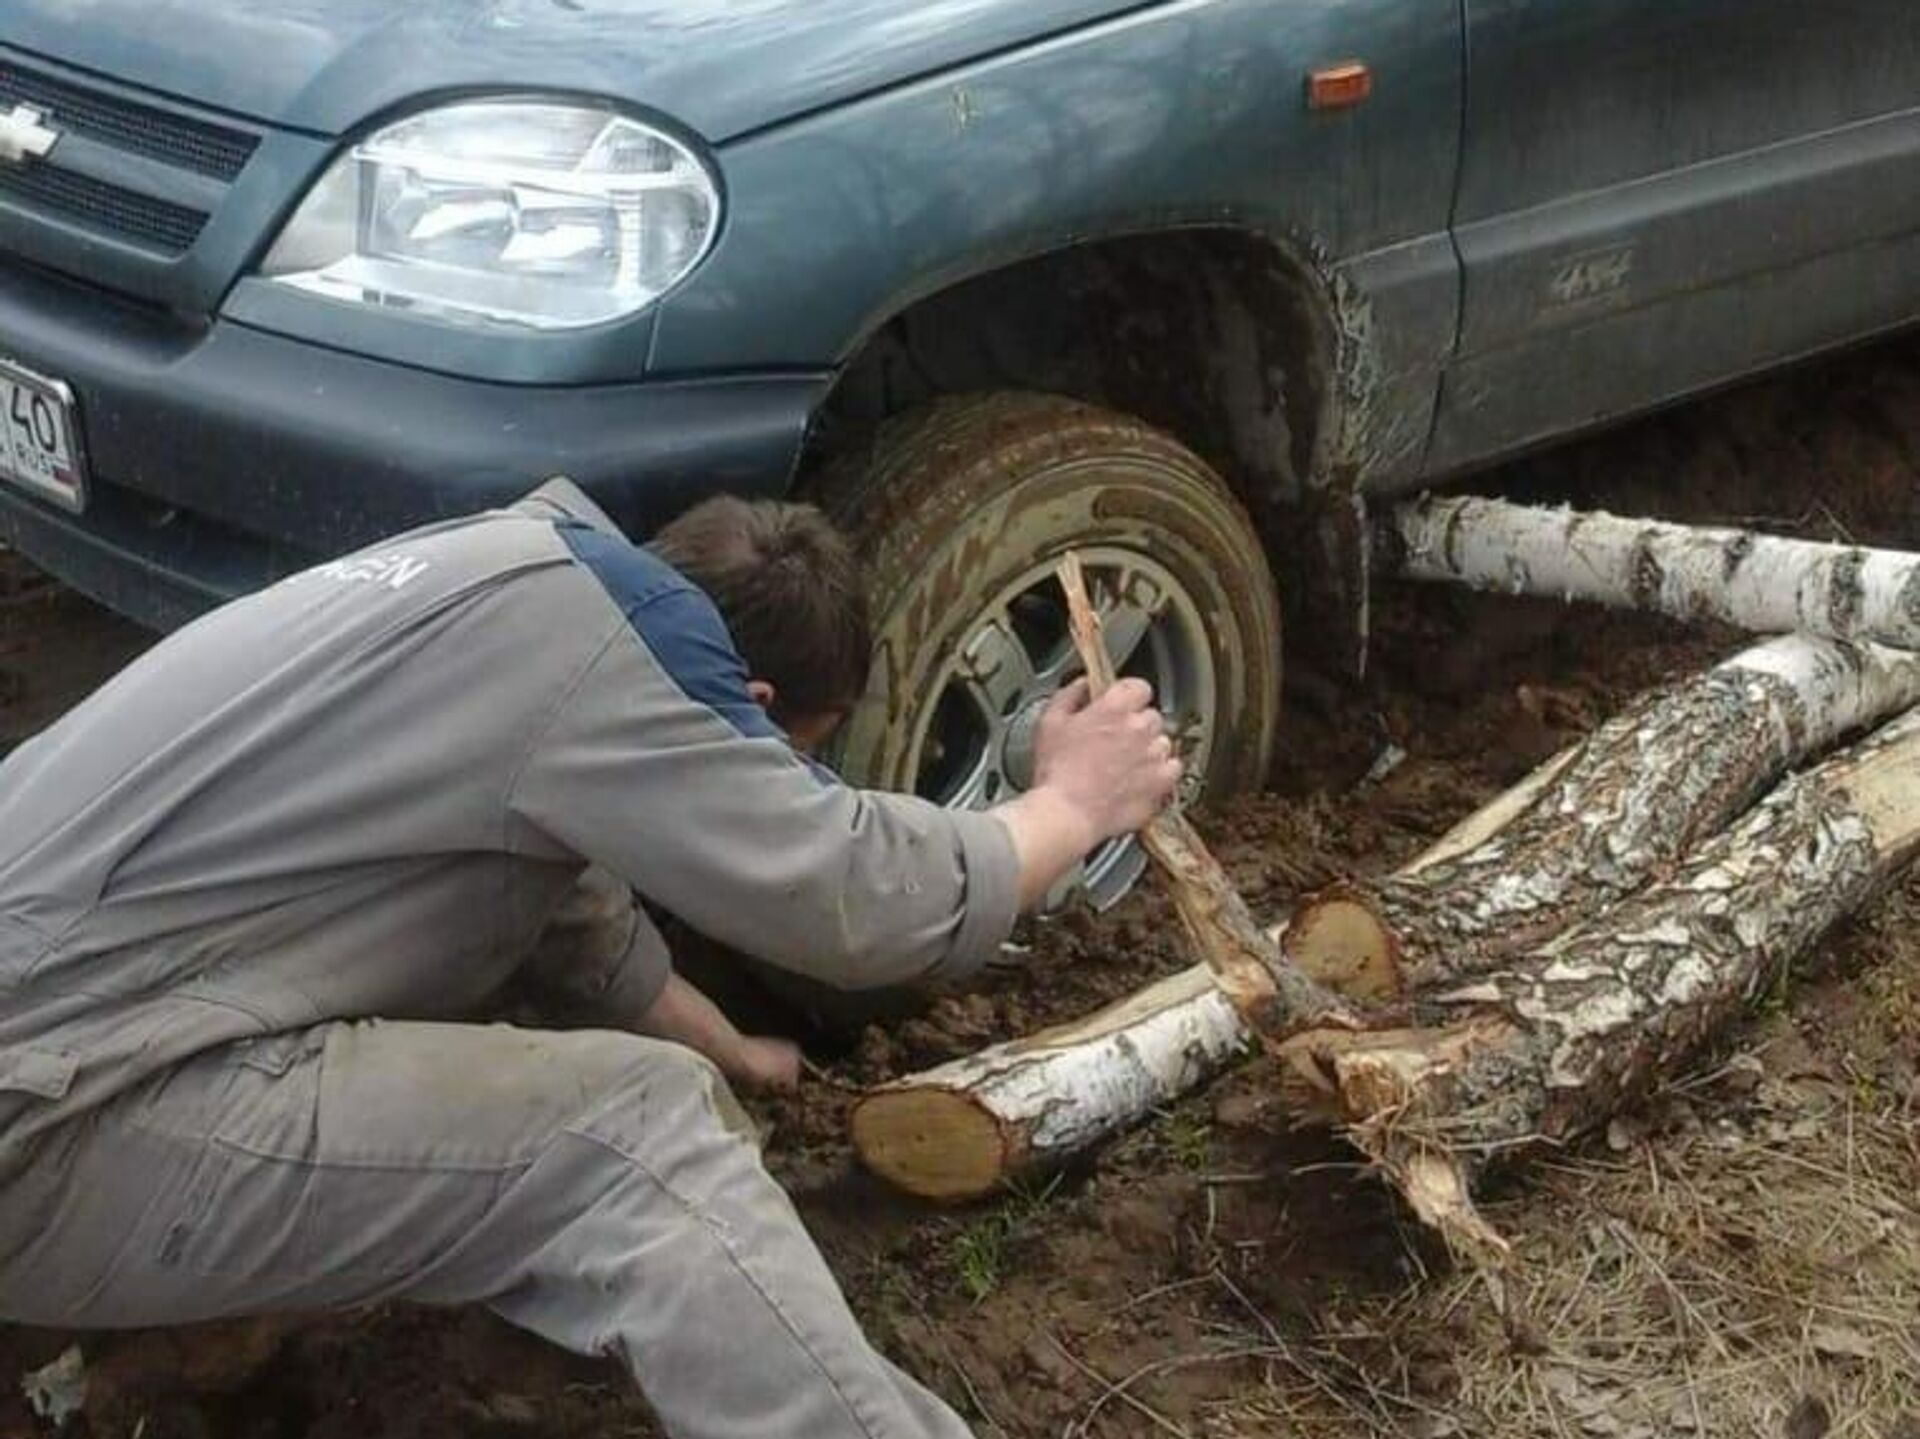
column 597, row 1188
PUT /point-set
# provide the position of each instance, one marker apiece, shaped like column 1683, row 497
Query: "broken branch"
column 1275, row 997
column 958, row 1131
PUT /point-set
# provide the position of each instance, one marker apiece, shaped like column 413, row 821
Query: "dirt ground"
column 1739, row 1257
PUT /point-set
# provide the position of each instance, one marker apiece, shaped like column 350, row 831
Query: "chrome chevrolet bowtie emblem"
column 24, row 135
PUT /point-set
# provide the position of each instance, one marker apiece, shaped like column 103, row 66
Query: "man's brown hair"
column 788, row 584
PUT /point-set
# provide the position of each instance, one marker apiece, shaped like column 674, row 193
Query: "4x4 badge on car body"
column 23, row 136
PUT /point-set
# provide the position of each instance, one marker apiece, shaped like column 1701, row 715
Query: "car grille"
column 136, row 211
column 142, row 219
column 179, row 140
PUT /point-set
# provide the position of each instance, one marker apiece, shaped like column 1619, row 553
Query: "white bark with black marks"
column 1757, row 582
column 1554, row 1044
column 1640, row 791
column 1569, row 942
column 958, row 1131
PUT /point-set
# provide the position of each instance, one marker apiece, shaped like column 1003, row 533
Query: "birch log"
column 959, row 1131
column 1757, row 582
column 1537, row 1053
column 1640, row 791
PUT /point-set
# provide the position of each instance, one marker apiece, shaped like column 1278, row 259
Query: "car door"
column 1660, row 195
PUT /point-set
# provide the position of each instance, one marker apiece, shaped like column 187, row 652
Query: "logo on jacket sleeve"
column 394, row 570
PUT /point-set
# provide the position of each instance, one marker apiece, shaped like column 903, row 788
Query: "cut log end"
column 940, row 1144
column 1336, row 939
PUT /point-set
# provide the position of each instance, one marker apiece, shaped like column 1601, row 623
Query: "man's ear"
column 761, row 693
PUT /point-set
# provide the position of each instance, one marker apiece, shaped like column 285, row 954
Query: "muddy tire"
column 961, row 508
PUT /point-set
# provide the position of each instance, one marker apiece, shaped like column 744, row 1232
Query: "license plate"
column 39, row 440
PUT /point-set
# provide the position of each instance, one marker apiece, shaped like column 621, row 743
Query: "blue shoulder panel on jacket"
column 677, row 622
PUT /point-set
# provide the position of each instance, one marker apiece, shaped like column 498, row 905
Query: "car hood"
column 721, row 67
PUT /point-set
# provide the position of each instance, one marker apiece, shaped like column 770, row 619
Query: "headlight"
column 505, row 212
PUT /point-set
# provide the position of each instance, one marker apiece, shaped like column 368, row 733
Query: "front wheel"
column 962, row 509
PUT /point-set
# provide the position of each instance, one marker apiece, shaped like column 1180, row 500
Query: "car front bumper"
column 221, row 457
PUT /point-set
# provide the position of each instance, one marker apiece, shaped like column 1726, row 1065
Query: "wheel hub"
column 1016, row 747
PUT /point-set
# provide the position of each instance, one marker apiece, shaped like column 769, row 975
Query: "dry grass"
column 1756, row 1273
column 1707, row 1285
column 1744, row 1260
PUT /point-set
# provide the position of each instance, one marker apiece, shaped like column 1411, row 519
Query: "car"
column 1183, row 285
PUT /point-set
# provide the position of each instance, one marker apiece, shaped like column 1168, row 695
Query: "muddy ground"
column 1741, row 1257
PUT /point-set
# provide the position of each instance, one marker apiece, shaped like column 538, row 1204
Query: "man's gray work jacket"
column 362, row 791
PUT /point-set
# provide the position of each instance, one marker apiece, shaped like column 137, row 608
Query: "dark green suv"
column 1181, row 284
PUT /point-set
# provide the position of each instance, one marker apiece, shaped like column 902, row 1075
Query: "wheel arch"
column 1235, row 342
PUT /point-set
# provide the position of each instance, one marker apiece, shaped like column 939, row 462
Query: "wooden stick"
column 1276, row 998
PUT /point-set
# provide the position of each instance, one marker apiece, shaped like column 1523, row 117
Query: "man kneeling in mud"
column 249, row 888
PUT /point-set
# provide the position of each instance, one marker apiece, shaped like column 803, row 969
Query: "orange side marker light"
column 1339, row 87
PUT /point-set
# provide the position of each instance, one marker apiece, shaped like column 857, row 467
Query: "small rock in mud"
column 1809, row 1419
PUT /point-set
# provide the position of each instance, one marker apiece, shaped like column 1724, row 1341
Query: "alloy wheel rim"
column 971, row 744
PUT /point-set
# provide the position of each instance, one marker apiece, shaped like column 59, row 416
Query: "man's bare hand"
column 686, row 1016
column 760, row 1062
column 1109, row 758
